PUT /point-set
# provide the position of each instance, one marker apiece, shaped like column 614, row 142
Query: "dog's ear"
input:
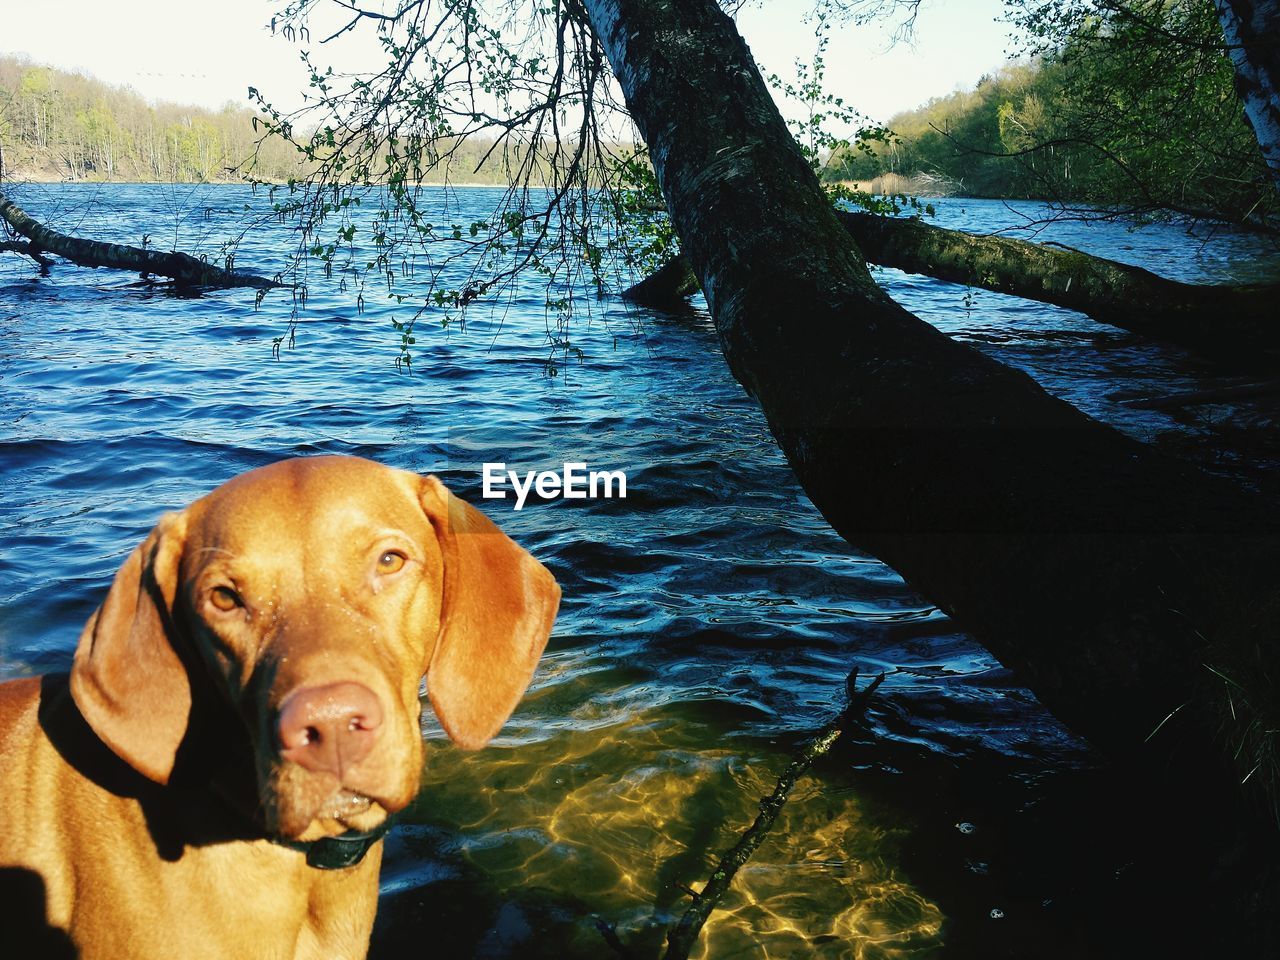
column 497, row 608
column 127, row 681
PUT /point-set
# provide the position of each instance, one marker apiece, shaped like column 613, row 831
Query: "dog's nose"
column 328, row 729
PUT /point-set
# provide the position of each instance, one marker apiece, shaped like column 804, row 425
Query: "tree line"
column 1134, row 111
column 58, row 125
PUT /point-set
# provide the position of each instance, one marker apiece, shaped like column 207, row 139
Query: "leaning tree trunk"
column 182, row 268
column 1107, row 575
column 1251, row 29
column 1234, row 321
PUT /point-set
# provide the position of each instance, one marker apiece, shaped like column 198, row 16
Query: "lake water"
column 709, row 620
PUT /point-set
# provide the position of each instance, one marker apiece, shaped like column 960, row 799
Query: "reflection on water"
column 625, row 820
column 708, row 623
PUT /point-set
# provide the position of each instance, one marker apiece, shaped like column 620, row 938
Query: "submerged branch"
column 681, row 939
column 1220, row 319
column 27, row 249
column 1191, row 398
column 184, row 269
column 667, row 288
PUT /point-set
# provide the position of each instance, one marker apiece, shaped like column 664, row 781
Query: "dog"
column 242, row 714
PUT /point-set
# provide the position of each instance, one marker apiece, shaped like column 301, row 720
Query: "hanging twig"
column 681, row 939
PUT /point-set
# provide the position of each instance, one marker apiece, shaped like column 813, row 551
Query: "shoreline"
column 19, row 180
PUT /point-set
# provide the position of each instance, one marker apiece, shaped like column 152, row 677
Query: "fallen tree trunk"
column 1219, row 319
column 1106, row 574
column 182, row 268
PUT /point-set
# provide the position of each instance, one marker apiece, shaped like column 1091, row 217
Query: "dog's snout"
column 331, row 728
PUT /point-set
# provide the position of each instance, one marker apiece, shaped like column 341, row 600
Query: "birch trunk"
column 1251, row 29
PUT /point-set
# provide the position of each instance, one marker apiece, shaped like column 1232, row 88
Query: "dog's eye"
column 225, row 599
column 391, row 561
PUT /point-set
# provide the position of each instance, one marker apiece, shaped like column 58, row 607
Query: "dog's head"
column 315, row 593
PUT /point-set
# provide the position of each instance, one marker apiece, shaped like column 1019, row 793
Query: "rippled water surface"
column 709, row 619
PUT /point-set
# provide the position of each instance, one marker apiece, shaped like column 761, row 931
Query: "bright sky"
column 195, row 51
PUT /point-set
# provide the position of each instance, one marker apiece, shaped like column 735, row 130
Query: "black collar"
column 340, row 852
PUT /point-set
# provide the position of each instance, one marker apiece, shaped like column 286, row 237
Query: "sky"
column 203, row 53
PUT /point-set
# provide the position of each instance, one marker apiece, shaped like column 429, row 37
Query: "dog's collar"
column 340, row 852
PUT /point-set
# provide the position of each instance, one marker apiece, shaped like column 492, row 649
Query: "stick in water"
column 681, row 939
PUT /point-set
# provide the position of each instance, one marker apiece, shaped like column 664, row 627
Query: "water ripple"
column 709, row 619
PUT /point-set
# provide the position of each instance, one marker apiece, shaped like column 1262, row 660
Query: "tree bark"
column 1107, row 575
column 1224, row 320
column 1251, row 29
column 184, row 269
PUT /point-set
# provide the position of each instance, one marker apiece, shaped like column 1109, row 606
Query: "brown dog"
column 243, row 712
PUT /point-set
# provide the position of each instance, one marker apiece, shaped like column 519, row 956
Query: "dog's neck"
column 212, row 793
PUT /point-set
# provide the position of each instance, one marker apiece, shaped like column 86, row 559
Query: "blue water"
column 709, row 620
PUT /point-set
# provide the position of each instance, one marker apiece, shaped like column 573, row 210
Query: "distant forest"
column 1137, row 114
column 57, row 125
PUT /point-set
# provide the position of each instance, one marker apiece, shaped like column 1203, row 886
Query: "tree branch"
column 27, row 249
column 681, row 939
